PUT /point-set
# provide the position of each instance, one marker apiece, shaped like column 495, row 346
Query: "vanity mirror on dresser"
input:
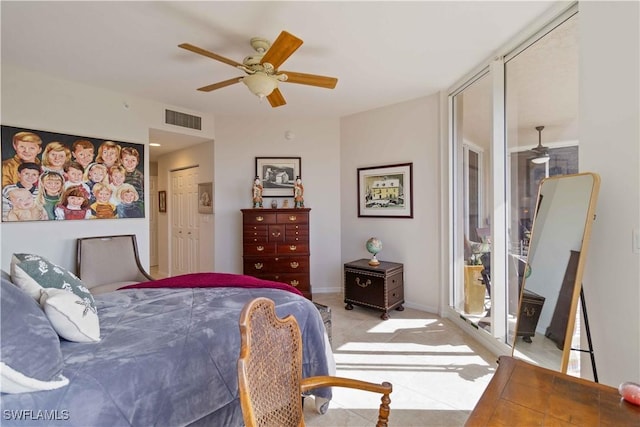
column 275, row 246
column 555, row 262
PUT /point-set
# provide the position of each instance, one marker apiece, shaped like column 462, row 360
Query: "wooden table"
column 522, row 394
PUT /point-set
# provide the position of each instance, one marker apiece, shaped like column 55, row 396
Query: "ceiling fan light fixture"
column 541, row 152
column 260, row 84
column 542, row 158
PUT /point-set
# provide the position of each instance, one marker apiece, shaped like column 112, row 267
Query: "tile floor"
column 438, row 372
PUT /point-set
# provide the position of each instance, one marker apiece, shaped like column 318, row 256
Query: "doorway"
column 184, row 251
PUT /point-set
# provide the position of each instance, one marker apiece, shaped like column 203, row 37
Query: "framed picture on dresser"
column 278, row 175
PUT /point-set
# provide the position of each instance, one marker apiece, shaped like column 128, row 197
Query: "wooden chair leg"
column 383, row 413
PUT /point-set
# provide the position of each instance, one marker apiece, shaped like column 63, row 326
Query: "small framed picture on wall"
column 162, row 201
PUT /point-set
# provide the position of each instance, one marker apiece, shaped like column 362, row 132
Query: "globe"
column 374, row 245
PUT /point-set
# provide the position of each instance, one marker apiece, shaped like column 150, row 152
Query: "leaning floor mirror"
column 545, row 328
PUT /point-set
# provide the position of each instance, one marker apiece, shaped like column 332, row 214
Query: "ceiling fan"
column 540, row 152
column 262, row 71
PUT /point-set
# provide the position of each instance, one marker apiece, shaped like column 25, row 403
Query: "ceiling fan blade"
column 208, row 54
column 219, row 85
column 281, row 49
column 310, row 79
column 276, row 99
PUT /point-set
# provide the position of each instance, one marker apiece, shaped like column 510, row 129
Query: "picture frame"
column 278, row 174
column 162, row 201
column 205, row 198
column 75, row 161
column 386, row 191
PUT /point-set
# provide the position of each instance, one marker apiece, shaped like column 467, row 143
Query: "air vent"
column 182, row 119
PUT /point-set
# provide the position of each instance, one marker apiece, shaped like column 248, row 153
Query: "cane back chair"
column 270, row 370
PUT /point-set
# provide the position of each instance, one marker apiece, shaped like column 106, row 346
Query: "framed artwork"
column 162, row 201
column 49, row 176
column 278, row 175
column 386, row 191
column 205, row 198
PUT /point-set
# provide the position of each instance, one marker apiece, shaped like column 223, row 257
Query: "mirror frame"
column 577, row 285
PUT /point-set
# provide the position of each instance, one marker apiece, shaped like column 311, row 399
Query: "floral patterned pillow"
column 74, row 316
column 32, row 273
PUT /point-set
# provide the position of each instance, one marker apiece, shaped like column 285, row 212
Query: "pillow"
column 30, row 356
column 33, row 272
column 72, row 317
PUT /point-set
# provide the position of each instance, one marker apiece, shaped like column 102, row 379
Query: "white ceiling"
column 381, row 52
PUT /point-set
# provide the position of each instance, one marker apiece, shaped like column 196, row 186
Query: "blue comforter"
column 167, row 358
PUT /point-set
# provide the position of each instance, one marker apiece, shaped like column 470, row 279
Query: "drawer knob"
column 260, row 248
column 259, row 218
column 292, row 217
column 276, row 234
column 293, row 248
column 363, row 283
column 294, row 264
column 258, row 266
column 294, row 283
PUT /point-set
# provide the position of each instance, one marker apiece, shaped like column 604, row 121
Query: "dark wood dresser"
column 380, row 287
column 276, row 246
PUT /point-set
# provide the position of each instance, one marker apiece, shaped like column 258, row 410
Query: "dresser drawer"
column 292, row 264
column 395, row 296
column 293, row 218
column 296, row 233
column 258, row 233
column 298, row 281
column 293, row 248
column 258, row 249
column 274, row 264
column 276, row 233
column 259, row 217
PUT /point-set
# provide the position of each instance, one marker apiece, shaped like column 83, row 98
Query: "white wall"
column 400, row 133
column 610, row 146
column 39, row 101
column 317, row 141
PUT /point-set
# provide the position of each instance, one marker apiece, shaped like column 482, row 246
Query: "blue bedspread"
column 167, row 358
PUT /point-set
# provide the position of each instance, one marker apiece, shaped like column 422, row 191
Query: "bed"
column 167, row 356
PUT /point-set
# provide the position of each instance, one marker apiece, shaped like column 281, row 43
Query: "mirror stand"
column 587, row 331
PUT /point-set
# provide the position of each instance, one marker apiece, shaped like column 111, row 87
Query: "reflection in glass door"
column 541, row 86
column 472, row 115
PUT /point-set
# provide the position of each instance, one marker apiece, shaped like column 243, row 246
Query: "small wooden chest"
column 380, row 287
column 529, row 314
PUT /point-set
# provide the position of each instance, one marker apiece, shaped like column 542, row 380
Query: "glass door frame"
column 498, row 187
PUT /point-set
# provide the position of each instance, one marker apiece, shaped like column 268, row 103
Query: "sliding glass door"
column 472, row 113
column 512, row 125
